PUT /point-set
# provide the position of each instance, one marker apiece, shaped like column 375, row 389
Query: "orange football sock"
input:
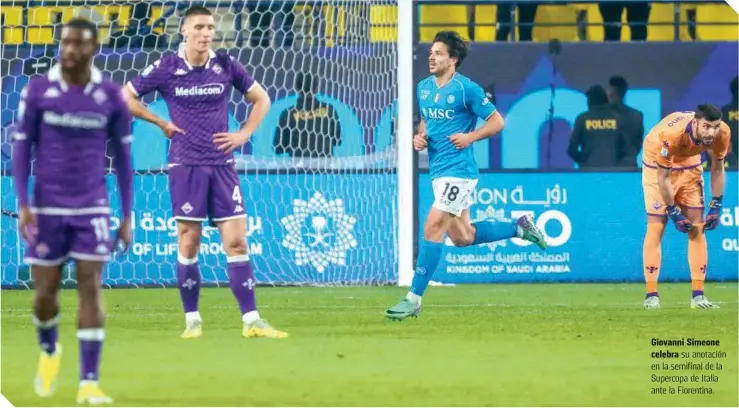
column 653, row 255
column 697, row 258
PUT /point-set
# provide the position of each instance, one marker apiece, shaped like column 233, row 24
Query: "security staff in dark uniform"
column 632, row 120
column 597, row 139
column 731, row 117
column 309, row 129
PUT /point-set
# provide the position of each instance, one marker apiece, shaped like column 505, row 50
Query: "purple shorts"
column 205, row 192
column 60, row 237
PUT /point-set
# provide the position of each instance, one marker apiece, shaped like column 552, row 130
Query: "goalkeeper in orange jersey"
column 672, row 177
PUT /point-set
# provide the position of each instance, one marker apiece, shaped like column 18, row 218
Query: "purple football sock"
column 91, row 344
column 241, row 279
column 188, row 280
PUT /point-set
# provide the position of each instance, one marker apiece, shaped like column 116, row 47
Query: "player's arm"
column 493, row 125
column 718, row 176
column 476, row 101
column 25, row 136
column 664, row 182
column 152, row 79
column 120, row 136
column 664, row 167
column 260, row 104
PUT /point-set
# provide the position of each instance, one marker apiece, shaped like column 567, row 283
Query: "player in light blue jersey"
column 450, row 105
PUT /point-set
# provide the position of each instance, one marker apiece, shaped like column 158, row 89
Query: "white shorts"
column 452, row 194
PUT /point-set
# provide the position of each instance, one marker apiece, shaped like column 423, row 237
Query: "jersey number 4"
column 450, row 192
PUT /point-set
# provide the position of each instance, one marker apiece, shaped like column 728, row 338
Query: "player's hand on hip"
column 123, row 236
column 714, row 212
column 170, row 129
column 420, row 142
column 461, row 140
column 682, row 223
column 27, row 225
column 228, row 142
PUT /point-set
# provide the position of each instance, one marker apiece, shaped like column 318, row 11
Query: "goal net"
column 316, row 215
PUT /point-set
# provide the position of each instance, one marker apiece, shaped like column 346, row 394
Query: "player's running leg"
column 47, row 281
column 91, row 332
column 188, row 276
column 697, row 258
column 463, row 233
column 429, row 255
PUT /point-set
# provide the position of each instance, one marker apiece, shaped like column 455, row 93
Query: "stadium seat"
column 446, row 17
column 555, row 14
column 383, row 23
column 716, row 13
column 594, row 30
column 661, row 23
column 12, row 24
column 485, row 22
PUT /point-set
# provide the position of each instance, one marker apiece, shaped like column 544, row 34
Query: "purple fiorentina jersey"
column 197, row 98
column 69, row 128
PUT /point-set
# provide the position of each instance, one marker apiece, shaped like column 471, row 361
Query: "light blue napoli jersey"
column 453, row 108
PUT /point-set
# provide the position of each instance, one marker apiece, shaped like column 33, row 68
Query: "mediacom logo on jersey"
column 201, row 90
column 83, row 120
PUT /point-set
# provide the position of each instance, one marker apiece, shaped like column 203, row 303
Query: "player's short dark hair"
column 197, row 11
column 596, row 96
column 620, row 84
column 733, row 86
column 305, row 82
column 708, row 112
column 83, row 24
column 454, row 42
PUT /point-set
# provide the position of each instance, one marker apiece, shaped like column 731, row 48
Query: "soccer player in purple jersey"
column 69, row 116
column 196, row 85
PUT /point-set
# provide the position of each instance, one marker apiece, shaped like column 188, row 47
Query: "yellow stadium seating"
column 716, row 13
column 448, row 17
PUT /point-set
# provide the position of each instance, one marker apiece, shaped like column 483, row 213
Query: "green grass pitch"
column 481, row 345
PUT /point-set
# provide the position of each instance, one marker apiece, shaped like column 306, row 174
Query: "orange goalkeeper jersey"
column 671, row 144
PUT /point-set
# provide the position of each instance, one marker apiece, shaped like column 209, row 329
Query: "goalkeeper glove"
column 681, row 222
column 714, row 211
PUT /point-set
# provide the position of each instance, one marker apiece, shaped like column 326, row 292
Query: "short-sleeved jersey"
column 198, row 99
column 452, row 108
column 70, row 128
column 671, row 143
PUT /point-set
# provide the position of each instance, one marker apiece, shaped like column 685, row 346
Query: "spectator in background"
column 597, row 140
column 310, row 128
column 731, row 116
column 526, row 16
column 135, row 34
column 632, row 120
column 637, row 15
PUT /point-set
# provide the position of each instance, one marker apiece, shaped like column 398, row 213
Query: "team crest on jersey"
column 424, row 94
column 187, row 208
column 42, row 250
column 656, row 205
column 99, row 96
column 436, row 98
column 450, row 99
column 217, row 69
